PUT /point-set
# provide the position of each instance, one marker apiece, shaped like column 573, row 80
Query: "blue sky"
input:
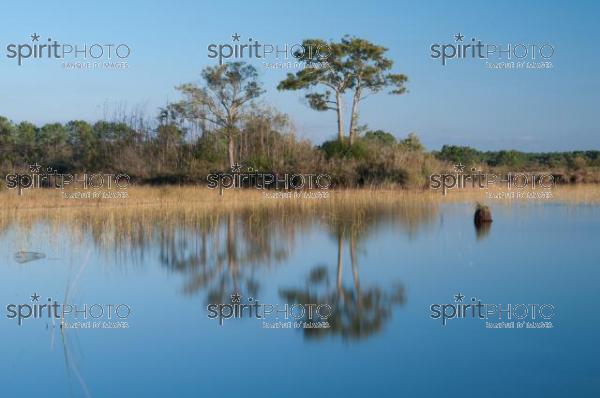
column 461, row 103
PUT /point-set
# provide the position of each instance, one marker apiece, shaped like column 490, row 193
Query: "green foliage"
column 508, row 158
column 460, row 154
column 333, row 68
column 114, row 132
column 84, row 142
column 380, row 137
column 520, row 160
column 53, row 149
column 7, row 141
column 24, row 141
column 412, row 143
column 337, row 149
column 211, row 148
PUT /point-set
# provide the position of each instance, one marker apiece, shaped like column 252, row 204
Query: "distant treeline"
column 573, row 160
column 167, row 152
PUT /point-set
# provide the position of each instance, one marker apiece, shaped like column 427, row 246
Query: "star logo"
column 459, row 37
column 235, row 37
column 35, row 297
column 236, row 168
column 35, row 168
column 235, row 298
column 35, row 37
column 458, row 298
column 459, row 167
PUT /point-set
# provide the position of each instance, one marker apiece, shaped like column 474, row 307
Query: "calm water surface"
column 381, row 269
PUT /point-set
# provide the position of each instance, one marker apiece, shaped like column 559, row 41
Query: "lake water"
column 380, row 269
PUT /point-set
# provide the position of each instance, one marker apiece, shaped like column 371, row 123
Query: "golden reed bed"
column 204, row 199
column 160, row 211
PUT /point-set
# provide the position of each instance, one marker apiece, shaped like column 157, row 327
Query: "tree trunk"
column 230, row 148
column 354, row 116
column 340, row 118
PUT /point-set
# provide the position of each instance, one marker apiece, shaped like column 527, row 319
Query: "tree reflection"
column 224, row 256
column 358, row 312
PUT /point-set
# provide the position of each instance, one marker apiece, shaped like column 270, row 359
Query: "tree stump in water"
column 483, row 214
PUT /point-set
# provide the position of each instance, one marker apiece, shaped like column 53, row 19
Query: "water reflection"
column 218, row 254
column 380, row 267
column 75, row 378
column 25, row 257
column 482, row 230
column 359, row 311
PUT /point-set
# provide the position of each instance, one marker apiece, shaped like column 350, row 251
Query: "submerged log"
column 25, row 257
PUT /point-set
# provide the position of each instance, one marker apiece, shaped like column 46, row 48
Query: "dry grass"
column 194, row 206
column 206, row 200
